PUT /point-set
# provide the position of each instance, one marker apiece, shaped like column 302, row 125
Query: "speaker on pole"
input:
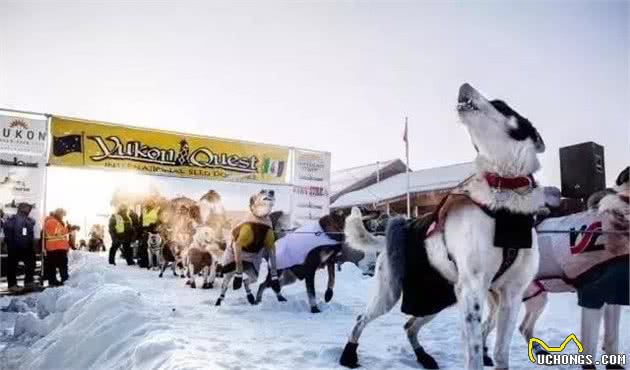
column 582, row 170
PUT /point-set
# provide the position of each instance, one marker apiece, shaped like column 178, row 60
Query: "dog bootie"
column 349, row 357
column 281, row 298
column 328, row 295
column 315, row 309
column 251, row 299
column 219, row 300
column 487, row 360
column 425, row 359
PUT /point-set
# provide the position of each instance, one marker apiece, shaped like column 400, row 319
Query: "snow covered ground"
column 126, row 318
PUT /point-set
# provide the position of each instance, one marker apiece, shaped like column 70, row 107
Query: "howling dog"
column 301, row 253
column 480, row 237
column 594, row 265
column 250, row 239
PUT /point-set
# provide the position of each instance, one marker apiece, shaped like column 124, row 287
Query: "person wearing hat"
column 19, row 237
column 56, row 244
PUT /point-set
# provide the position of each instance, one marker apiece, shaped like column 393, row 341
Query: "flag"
column 405, row 134
column 273, row 168
column 67, row 144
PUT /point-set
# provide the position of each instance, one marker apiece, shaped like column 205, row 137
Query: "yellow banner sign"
column 78, row 143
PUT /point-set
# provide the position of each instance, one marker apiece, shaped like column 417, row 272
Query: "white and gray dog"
column 481, row 237
column 154, row 248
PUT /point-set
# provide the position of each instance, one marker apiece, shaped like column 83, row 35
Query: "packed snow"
column 127, row 318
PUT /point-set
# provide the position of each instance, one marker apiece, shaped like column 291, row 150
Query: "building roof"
column 430, row 179
column 349, row 179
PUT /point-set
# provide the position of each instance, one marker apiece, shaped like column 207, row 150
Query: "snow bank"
column 127, row 318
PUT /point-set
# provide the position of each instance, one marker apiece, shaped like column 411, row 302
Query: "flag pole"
column 407, row 157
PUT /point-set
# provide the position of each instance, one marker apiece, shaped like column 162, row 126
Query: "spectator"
column 121, row 231
column 56, row 238
column 19, row 237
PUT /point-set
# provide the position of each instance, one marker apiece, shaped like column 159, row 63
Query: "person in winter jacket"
column 19, row 237
column 56, row 245
column 121, row 231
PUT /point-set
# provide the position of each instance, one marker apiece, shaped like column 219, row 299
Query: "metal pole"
column 42, row 240
column 407, row 155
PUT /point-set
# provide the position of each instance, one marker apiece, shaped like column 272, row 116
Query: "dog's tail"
column 358, row 237
column 396, row 240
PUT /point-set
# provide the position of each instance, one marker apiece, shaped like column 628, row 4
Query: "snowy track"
column 127, row 318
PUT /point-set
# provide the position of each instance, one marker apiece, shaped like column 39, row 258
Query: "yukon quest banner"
column 311, row 186
column 78, row 143
column 23, row 136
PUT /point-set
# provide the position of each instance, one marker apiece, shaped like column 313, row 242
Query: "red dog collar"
column 509, row 183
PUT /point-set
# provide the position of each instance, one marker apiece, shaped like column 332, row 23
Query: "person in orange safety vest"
column 56, row 244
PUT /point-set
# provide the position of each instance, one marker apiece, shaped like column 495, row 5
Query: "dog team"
column 479, row 250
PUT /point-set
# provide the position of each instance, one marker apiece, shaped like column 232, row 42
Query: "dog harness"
column 513, row 231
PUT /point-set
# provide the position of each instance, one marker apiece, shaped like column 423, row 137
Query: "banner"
column 22, row 165
column 23, row 136
column 78, row 143
column 311, row 186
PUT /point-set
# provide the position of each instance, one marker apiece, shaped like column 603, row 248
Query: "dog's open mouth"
column 466, row 105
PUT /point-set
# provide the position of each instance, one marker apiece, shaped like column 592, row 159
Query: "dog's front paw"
column 328, row 295
column 425, row 359
column 160, row 275
column 251, row 299
column 281, row 298
column 315, row 309
column 349, row 357
column 187, row 282
column 193, row 285
column 487, row 360
column 219, row 300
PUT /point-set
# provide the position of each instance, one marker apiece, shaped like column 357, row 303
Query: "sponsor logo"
column 582, row 242
column 555, row 357
column 310, row 162
column 315, row 191
column 18, row 163
column 19, row 136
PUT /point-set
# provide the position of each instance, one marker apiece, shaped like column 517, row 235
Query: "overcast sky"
column 335, row 76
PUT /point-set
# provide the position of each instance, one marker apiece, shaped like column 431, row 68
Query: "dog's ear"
column 252, row 201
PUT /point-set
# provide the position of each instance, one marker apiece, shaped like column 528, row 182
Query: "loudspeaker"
column 582, row 170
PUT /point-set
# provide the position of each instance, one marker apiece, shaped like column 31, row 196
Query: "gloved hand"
column 238, row 281
column 275, row 284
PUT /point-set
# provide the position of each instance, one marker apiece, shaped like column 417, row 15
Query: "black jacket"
column 18, row 232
